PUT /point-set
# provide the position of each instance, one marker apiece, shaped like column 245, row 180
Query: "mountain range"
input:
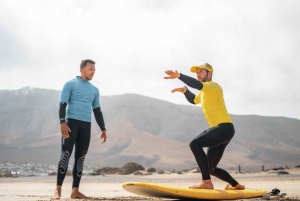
column 140, row 129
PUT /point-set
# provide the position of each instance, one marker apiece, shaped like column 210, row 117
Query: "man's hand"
column 103, row 136
column 172, row 74
column 180, row 89
column 64, row 129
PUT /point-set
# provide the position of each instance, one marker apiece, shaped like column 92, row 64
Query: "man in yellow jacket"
column 221, row 130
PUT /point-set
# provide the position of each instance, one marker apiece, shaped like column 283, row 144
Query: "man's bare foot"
column 237, row 187
column 205, row 184
column 57, row 193
column 76, row 194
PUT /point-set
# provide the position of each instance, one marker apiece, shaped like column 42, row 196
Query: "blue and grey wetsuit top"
column 81, row 97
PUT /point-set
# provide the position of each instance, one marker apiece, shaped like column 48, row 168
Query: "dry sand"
column 109, row 187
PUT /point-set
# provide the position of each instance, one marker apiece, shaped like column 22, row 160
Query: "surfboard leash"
column 274, row 193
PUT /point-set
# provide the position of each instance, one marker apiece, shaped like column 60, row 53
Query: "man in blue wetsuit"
column 78, row 98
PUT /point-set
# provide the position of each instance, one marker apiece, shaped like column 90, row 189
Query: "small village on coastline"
column 8, row 169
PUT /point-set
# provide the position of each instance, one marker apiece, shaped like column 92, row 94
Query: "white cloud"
column 253, row 46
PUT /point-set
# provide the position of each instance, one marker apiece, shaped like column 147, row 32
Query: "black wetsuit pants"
column 80, row 137
column 216, row 139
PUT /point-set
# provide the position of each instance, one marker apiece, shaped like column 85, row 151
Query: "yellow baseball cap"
column 207, row 66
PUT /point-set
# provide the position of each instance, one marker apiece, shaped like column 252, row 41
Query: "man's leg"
column 67, row 145
column 81, row 149
column 214, row 155
column 209, row 138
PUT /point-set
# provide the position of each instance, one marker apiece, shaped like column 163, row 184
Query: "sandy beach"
column 109, row 187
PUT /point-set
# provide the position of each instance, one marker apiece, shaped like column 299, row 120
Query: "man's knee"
column 194, row 144
column 79, row 164
column 64, row 161
column 211, row 170
column 80, row 154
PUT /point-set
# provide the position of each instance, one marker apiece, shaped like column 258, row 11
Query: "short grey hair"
column 85, row 62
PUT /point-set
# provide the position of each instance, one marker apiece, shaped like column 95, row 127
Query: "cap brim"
column 194, row 68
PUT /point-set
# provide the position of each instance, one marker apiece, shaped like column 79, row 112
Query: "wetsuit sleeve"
column 189, row 96
column 192, row 82
column 99, row 118
column 96, row 102
column 62, row 112
column 197, row 98
column 66, row 93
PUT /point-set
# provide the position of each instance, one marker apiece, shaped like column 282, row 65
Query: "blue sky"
column 253, row 45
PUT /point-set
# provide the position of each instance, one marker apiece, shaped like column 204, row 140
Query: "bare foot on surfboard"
column 206, row 184
column 237, row 187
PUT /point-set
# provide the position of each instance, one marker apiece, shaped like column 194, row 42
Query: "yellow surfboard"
column 159, row 191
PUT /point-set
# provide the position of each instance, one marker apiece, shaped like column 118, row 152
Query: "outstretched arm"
column 192, row 82
column 188, row 94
